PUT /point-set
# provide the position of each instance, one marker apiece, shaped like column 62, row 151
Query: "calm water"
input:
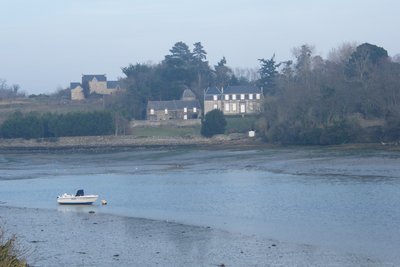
column 339, row 200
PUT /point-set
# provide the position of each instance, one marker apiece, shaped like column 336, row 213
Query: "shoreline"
column 51, row 238
column 128, row 141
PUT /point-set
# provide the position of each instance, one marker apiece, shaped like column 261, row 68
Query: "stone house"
column 234, row 100
column 188, row 107
column 93, row 84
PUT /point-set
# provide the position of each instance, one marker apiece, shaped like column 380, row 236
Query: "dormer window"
column 233, row 97
column 258, row 96
column 226, row 97
column 242, row 96
column 251, row 96
column 185, row 110
column 215, row 97
column 194, row 110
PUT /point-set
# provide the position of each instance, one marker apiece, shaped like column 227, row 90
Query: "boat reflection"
column 77, row 208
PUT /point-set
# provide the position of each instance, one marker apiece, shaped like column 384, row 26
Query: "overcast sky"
column 46, row 44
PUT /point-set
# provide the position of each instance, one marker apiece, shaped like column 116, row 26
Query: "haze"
column 46, row 44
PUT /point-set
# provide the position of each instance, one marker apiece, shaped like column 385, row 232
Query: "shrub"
column 34, row 125
column 213, row 123
column 9, row 253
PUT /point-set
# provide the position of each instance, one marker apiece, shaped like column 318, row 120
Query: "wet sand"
column 70, row 238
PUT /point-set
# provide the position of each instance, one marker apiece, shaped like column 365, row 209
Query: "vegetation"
column 35, row 125
column 309, row 100
column 213, row 123
column 239, row 124
column 166, row 131
column 315, row 101
column 9, row 91
column 9, row 253
column 182, row 68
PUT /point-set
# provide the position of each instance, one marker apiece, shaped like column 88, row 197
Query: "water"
column 341, row 200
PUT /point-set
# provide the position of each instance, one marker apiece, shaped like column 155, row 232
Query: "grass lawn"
column 239, row 124
column 166, row 131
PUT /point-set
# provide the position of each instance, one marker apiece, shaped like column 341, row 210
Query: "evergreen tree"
column 268, row 74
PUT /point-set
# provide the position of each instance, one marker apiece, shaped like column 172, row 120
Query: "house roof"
column 212, row 91
column 73, row 85
column 112, row 84
column 240, row 89
column 173, row 104
column 90, row 77
column 188, row 95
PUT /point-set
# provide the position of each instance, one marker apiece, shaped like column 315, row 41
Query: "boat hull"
column 77, row 200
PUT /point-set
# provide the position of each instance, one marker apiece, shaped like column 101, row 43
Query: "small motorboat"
column 78, row 198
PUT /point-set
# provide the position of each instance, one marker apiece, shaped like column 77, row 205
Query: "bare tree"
column 342, row 53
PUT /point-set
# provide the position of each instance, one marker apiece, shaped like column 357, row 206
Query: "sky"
column 46, row 44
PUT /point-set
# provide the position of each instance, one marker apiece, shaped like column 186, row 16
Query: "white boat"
column 78, row 198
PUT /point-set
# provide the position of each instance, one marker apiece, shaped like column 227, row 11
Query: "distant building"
column 234, row 100
column 77, row 91
column 188, row 107
column 93, row 84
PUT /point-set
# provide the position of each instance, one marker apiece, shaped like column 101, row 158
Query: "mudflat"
column 82, row 238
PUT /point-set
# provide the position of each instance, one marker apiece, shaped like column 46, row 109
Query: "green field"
column 25, row 105
column 239, row 124
column 166, row 131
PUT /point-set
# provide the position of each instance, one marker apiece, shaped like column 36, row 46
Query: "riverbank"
column 75, row 237
column 126, row 141
column 233, row 141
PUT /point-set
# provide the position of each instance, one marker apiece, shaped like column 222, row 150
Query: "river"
column 338, row 199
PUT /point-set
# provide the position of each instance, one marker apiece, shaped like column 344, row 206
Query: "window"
column 233, row 97
column 185, row 110
column 226, row 97
column 166, row 111
column 251, row 96
column 258, row 96
column 194, row 110
column 226, row 107
column 234, row 107
column 151, row 111
column 242, row 96
column 215, row 106
column 215, row 97
column 185, row 117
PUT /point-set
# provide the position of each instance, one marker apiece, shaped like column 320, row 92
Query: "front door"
column 242, row 108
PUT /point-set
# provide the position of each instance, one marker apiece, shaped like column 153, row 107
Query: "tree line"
column 48, row 125
column 352, row 96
